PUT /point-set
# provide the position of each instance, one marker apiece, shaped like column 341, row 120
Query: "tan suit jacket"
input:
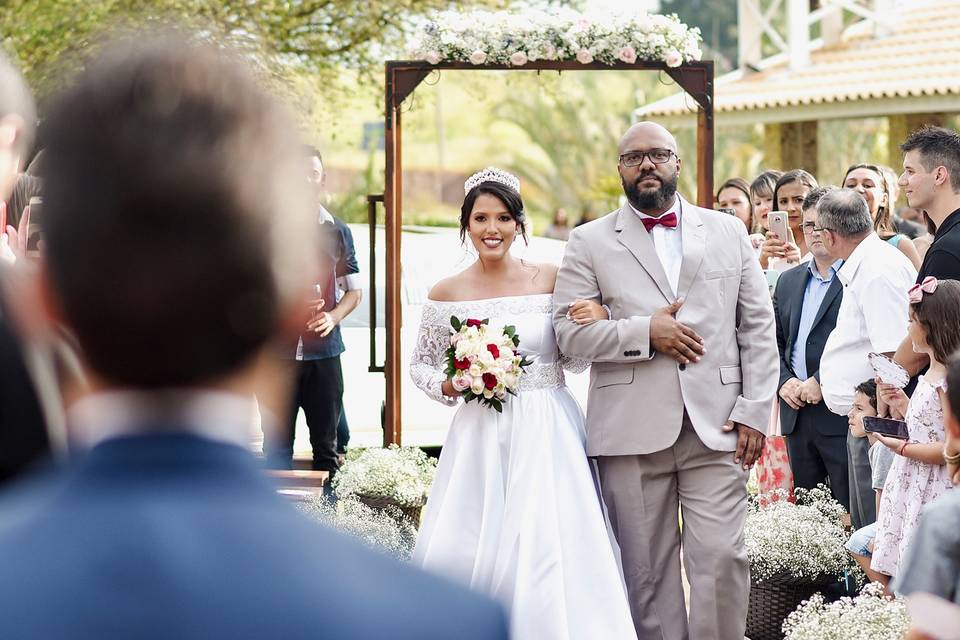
column 637, row 397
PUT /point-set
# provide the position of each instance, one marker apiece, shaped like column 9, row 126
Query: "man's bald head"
column 647, row 135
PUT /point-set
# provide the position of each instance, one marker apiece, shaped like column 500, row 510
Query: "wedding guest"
column 559, row 227
column 932, row 564
column 24, row 440
column 860, row 544
column 181, row 243
column 872, row 317
column 918, row 475
column 870, row 181
column 788, row 194
column 734, row 194
column 931, row 180
column 761, row 196
column 806, row 302
column 318, row 387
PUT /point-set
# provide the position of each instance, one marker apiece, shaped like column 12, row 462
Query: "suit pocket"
column 713, row 274
column 731, row 375
column 612, row 377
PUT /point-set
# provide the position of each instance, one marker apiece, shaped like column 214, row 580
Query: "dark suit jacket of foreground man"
column 176, row 537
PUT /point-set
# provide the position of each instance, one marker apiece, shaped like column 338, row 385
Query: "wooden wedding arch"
column 402, row 78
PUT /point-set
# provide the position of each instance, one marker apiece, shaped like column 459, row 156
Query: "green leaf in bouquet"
column 516, row 341
column 455, row 323
column 485, row 321
column 496, row 404
column 510, row 331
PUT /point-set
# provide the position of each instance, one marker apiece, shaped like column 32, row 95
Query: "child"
column 918, row 475
column 933, row 563
column 860, row 544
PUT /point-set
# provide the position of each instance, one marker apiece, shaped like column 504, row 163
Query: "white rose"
column 433, row 57
column 518, row 59
column 584, row 56
column 477, row 386
column 462, row 382
column 673, row 58
column 478, row 57
column 487, row 358
column 475, row 369
column 488, row 393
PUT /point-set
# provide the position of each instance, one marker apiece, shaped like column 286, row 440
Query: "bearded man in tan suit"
column 681, row 388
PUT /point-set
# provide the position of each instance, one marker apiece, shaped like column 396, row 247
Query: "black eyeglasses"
column 808, row 227
column 635, row 158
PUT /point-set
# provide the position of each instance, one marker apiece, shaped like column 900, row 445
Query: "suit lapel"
column 796, row 307
column 835, row 288
column 691, row 229
column 632, row 235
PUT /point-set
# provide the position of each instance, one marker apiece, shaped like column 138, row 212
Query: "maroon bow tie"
column 669, row 220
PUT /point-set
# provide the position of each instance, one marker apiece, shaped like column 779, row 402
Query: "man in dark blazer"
column 806, row 302
column 179, row 239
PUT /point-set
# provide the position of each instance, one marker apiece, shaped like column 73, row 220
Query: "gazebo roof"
column 916, row 69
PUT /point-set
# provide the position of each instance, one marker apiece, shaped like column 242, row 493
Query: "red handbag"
column 773, row 468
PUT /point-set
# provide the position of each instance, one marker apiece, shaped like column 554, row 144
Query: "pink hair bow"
column 915, row 293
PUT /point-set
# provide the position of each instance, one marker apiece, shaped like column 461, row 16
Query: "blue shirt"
column 812, row 298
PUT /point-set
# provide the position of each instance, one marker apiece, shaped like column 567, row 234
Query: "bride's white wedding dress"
column 514, row 511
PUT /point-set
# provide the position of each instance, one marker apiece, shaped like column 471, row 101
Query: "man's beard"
column 650, row 199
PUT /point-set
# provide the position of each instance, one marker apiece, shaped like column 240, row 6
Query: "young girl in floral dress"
column 918, row 474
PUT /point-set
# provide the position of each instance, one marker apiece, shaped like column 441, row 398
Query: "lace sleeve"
column 427, row 363
column 574, row 365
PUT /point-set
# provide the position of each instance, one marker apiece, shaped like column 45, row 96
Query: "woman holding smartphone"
column 788, row 195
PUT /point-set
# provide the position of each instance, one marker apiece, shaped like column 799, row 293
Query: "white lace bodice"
column 532, row 315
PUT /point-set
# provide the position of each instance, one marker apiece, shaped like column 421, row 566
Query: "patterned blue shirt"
column 812, row 298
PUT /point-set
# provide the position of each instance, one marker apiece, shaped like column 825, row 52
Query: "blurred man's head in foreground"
column 17, row 119
column 178, row 225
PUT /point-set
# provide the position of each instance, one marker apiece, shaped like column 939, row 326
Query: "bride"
column 514, row 511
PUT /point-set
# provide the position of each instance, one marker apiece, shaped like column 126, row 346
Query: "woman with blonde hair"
column 873, row 184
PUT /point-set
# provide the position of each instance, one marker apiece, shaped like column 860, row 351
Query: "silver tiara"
column 492, row 174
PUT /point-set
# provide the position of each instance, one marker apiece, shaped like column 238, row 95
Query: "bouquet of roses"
column 483, row 364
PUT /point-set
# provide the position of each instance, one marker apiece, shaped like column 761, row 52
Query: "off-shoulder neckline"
column 524, row 295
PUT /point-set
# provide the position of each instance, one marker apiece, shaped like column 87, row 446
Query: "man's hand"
column 322, row 323
column 810, row 391
column 790, row 393
column 749, row 444
column 673, row 338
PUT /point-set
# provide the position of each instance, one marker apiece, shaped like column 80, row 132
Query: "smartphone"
column 728, row 211
column 36, row 217
column 886, row 427
column 779, row 222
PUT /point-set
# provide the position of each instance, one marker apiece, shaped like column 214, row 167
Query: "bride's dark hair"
column 506, row 195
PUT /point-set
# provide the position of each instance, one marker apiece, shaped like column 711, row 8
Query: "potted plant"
column 391, row 477
column 795, row 550
column 868, row 616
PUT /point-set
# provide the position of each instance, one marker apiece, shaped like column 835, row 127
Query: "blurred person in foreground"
column 178, row 267
column 24, row 440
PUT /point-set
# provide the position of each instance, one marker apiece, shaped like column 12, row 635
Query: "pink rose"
column 462, row 383
column 628, row 54
column 518, row 59
column 673, row 59
column 550, row 52
column 478, row 57
column 584, row 56
column 432, row 57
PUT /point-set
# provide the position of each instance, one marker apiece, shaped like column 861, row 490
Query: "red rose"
column 461, row 364
column 473, row 322
column 494, row 351
column 489, row 380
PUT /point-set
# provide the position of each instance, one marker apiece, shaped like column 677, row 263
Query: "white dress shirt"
column 214, row 415
column 668, row 243
column 873, row 316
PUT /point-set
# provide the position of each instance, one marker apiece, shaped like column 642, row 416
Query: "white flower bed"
column 485, row 37
column 869, row 616
column 800, row 541
column 403, row 475
column 380, row 529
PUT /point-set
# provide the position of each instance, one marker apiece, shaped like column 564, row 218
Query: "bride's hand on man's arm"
column 586, row 312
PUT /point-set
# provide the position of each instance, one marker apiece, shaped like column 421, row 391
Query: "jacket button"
column 683, row 367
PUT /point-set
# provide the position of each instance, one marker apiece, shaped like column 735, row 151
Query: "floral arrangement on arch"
column 869, row 616
column 799, row 541
column 488, row 37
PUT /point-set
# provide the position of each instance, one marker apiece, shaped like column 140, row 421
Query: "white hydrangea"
column 869, row 616
column 487, row 37
column 401, row 474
